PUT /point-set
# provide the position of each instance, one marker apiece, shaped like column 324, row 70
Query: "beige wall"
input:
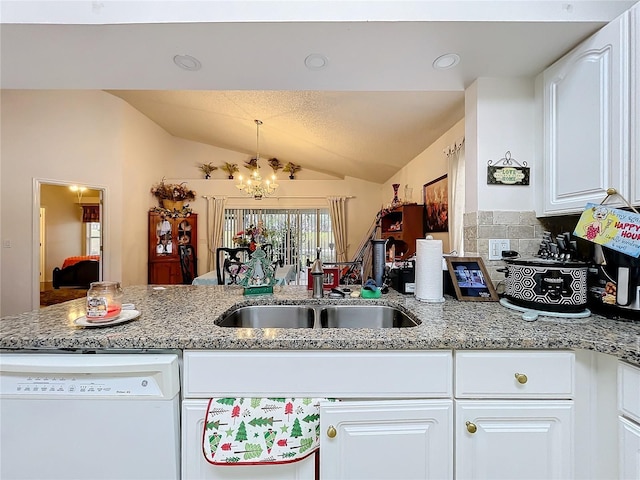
column 63, row 220
column 55, row 137
column 429, row 165
column 93, row 138
column 147, row 154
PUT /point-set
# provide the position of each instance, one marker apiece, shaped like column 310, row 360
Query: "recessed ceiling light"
column 187, row 62
column 448, row 60
column 316, row 61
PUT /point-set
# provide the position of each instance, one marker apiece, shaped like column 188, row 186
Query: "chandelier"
column 254, row 186
column 79, row 191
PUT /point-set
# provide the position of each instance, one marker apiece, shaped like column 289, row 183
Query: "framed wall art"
column 470, row 279
column 436, row 205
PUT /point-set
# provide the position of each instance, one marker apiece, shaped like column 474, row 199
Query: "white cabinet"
column 318, row 373
column 511, row 414
column 407, row 439
column 514, row 439
column 634, row 196
column 195, row 467
column 514, row 414
column 394, row 417
column 629, row 421
column 586, row 123
column 629, row 449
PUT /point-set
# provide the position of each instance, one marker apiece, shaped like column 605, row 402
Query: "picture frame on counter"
column 471, row 280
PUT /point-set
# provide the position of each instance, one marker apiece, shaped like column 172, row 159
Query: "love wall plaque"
column 507, row 171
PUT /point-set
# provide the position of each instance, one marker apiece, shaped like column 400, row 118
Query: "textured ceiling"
column 376, row 105
column 368, row 135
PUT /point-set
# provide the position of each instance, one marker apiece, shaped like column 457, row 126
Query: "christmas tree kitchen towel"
column 257, row 431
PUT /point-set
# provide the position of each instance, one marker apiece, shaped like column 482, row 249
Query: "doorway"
column 71, row 230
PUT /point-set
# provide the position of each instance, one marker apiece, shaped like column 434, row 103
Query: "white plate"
column 125, row 316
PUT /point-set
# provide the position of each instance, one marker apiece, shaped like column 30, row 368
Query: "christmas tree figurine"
column 260, row 275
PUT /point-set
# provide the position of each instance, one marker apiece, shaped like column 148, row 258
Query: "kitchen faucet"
column 317, row 275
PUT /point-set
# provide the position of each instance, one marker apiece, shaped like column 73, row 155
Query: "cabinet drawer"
column 336, row 373
column 629, row 390
column 514, row 374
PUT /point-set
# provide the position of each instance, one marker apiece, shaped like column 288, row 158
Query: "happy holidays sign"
column 616, row 229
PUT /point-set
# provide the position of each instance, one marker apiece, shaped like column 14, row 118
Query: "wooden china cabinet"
column 172, row 248
column 401, row 227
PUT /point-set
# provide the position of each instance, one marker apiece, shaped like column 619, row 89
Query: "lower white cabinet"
column 403, row 439
column 514, row 414
column 629, row 421
column 629, row 449
column 393, row 418
column 519, row 439
column 398, row 416
column 195, row 467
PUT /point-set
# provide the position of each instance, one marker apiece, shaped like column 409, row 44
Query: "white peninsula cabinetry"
column 586, row 123
column 629, row 421
column 514, row 414
column 394, row 417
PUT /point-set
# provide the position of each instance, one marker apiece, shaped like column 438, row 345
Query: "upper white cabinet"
column 635, row 104
column 586, row 120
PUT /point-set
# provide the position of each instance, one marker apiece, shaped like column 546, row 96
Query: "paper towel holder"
column 470, row 279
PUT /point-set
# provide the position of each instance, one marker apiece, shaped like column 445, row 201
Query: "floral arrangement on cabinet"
column 252, row 237
column 172, row 197
column 172, row 191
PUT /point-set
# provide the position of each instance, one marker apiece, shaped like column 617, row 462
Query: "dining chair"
column 188, row 263
column 230, row 262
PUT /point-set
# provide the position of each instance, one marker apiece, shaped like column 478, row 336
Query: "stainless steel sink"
column 364, row 316
column 270, row 316
column 320, row 316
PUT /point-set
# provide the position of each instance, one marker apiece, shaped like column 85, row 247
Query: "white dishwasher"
column 112, row 416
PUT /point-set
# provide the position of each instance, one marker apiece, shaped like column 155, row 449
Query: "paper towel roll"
column 429, row 281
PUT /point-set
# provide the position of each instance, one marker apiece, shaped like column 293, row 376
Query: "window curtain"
column 338, row 215
column 90, row 213
column 215, row 229
column 455, row 160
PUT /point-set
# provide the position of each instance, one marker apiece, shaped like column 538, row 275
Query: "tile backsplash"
column 523, row 229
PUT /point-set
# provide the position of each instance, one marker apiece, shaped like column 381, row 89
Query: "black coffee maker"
column 613, row 284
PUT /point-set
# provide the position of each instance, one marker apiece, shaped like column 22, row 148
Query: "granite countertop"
column 182, row 317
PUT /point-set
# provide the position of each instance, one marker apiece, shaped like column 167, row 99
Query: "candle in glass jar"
column 104, row 301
